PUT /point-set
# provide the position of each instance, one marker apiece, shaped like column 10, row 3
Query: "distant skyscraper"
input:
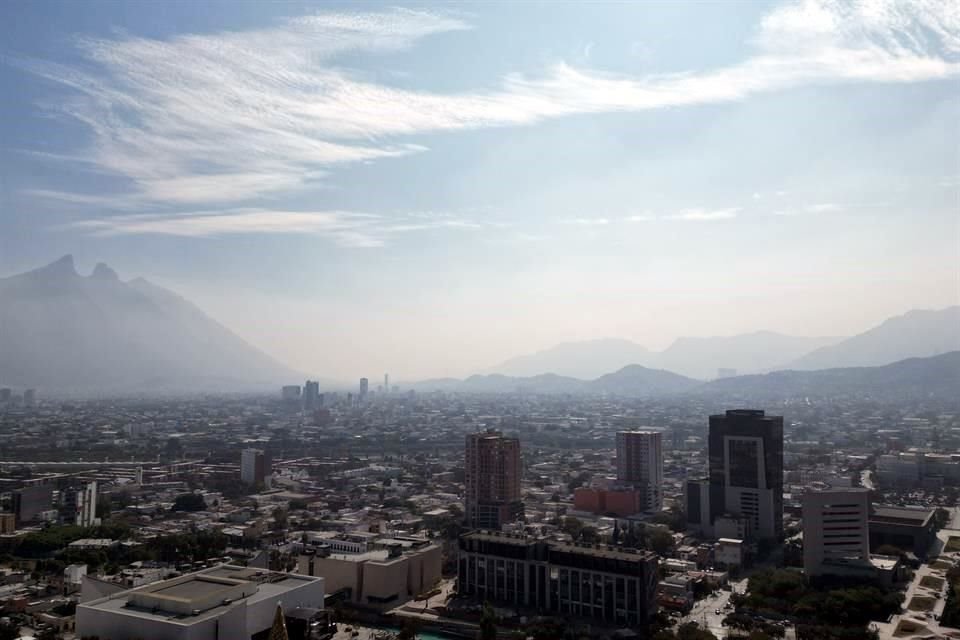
column 492, row 474
column 746, row 476
column 29, row 398
column 640, row 464
column 364, row 388
column 836, row 534
column 255, row 467
column 311, row 395
column 386, row 383
column 79, row 505
column 5, row 394
column 290, row 393
column 30, row 502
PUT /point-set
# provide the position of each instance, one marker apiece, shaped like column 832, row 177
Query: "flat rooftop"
column 188, row 599
column 901, row 515
column 193, row 589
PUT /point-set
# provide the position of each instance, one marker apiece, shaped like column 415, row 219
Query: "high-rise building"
column 30, row 502
column 6, row 394
column 290, row 393
column 836, row 534
column 311, row 395
column 29, row 398
column 640, row 464
column 255, row 467
column 743, row 495
column 79, row 505
column 364, row 389
column 492, row 476
column 746, row 470
column 386, row 383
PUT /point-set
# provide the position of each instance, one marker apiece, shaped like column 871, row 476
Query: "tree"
column 488, row 623
column 279, row 519
column 408, row 631
column 661, row 542
column 189, row 502
column 573, row 526
column 589, row 534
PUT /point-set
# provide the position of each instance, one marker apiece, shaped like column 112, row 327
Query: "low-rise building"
column 222, row 602
column 907, row 528
column 379, row 578
column 603, row 583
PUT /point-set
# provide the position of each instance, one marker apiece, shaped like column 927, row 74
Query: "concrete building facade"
column 222, row 602
column 640, row 465
column 836, row 533
column 602, row 583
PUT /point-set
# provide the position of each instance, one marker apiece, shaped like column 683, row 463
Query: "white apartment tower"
column 640, row 464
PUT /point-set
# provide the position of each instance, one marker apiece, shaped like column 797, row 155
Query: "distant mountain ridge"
column 916, row 334
column 632, row 380
column 689, row 356
column 931, row 377
column 63, row 332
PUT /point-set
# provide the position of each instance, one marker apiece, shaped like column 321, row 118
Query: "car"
column 717, row 612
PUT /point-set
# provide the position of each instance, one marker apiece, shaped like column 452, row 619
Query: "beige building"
column 381, row 578
column 221, row 602
column 836, row 534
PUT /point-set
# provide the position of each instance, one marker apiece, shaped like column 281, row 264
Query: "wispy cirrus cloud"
column 821, row 207
column 705, row 215
column 587, row 222
column 345, row 228
column 234, row 117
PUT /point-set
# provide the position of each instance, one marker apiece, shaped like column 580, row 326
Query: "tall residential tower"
column 640, row 464
column 492, row 475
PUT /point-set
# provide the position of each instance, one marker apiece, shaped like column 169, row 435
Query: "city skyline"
column 524, row 177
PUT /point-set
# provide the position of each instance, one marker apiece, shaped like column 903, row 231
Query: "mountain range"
column 689, row 356
column 93, row 335
column 931, row 377
column 68, row 333
column 917, row 333
column 934, row 376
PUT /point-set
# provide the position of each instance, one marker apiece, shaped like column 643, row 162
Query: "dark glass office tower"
column 746, row 471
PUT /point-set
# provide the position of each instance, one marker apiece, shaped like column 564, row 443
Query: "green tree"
column 189, row 502
column 661, row 542
column 408, row 631
column 488, row 623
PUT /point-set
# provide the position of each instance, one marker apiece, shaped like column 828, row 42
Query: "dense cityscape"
column 479, row 320
column 514, row 515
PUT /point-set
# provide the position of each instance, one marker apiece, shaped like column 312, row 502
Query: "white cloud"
column 587, row 222
column 823, row 207
column 345, row 228
column 706, row 215
column 642, row 217
column 233, row 117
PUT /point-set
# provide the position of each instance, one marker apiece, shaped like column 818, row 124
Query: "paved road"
column 704, row 611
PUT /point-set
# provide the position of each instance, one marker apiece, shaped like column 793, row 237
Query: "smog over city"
column 480, row 320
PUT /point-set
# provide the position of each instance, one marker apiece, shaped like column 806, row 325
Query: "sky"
column 430, row 189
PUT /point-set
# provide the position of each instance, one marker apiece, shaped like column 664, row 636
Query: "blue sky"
column 429, row 189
